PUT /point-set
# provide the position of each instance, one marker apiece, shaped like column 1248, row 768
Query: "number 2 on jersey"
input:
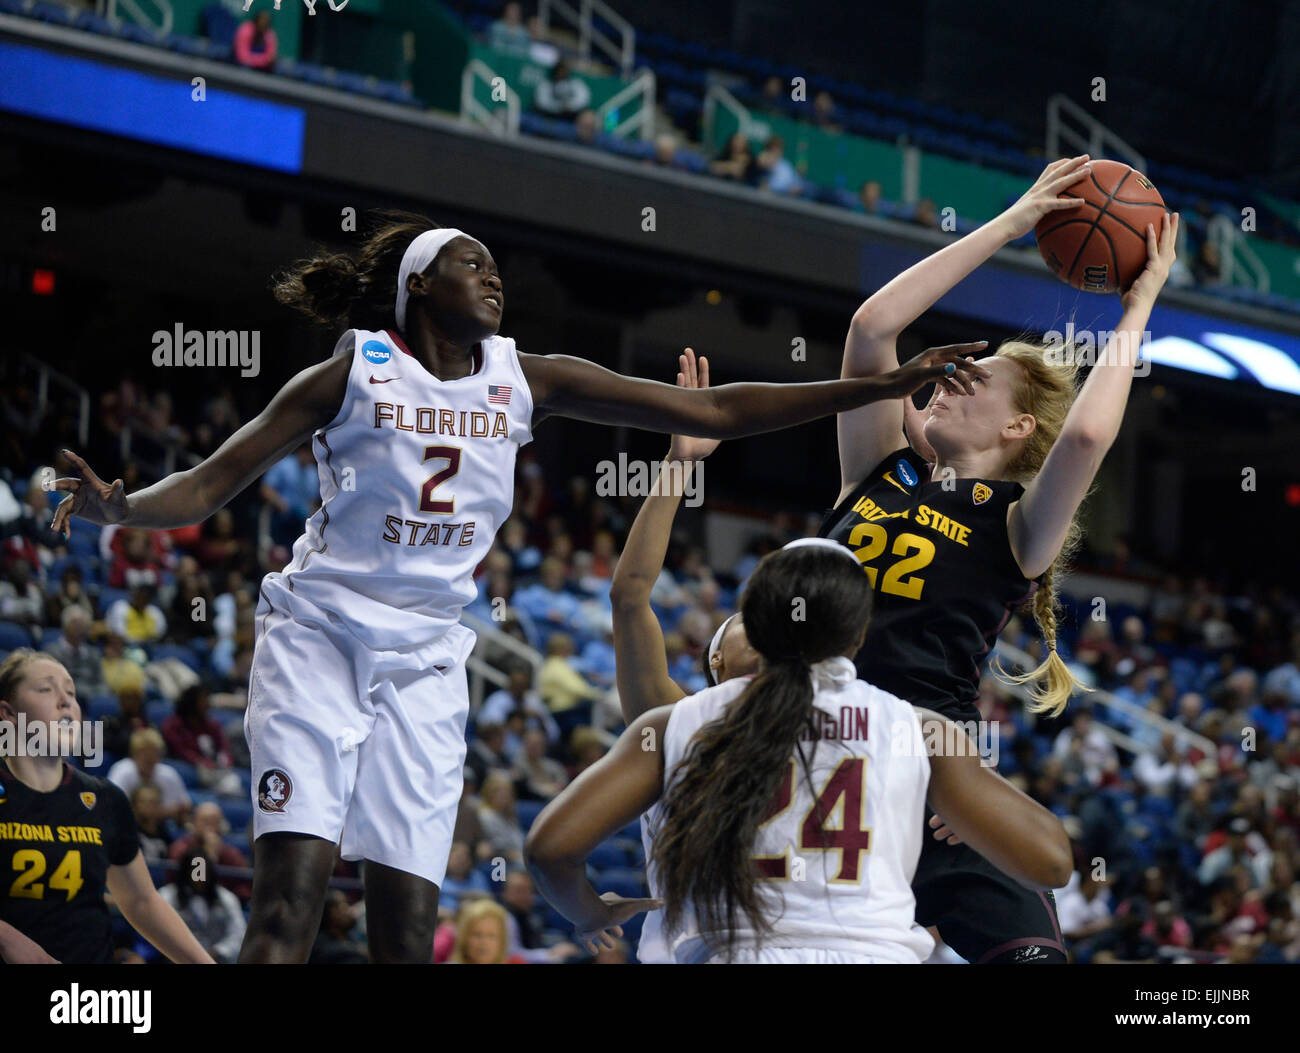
column 451, row 455
column 848, row 783
column 895, row 581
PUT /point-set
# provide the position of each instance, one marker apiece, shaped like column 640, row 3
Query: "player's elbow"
column 1055, row 861
column 1086, row 438
column 629, row 593
column 868, row 324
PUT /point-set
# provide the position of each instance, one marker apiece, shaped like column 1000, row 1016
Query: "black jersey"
column 944, row 576
column 55, row 851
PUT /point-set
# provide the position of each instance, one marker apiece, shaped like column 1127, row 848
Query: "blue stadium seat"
column 160, row 651
column 237, row 810
column 608, row 856
column 57, row 14
column 93, row 23
column 48, row 636
column 109, row 596
column 527, row 811
column 101, row 707
column 14, row 7
column 622, row 882
column 13, row 635
column 157, row 710
column 188, row 773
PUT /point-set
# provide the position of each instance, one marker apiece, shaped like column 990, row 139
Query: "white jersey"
column 416, row 477
column 870, row 771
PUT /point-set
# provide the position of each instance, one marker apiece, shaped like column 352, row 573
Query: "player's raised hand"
column 88, row 497
column 1161, row 253
column 942, row 831
column 691, row 373
column 617, row 910
column 953, row 364
column 1044, row 196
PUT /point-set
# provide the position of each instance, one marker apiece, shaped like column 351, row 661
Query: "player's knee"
column 409, row 943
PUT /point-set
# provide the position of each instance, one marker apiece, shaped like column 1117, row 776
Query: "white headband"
column 821, row 542
column 715, row 646
column 419, row 254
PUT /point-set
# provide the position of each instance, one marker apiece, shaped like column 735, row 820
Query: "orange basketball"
column 1102, row 245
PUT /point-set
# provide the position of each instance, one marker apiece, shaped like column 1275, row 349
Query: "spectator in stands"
column 562, row 95
column 129, row 718
column 537, row 777
column 1284, row 680
column 145, row 764
column 824, row 113
column 192, row 612
column 508, row 33
column 1164, row 771
column 137, row 559
column 292, row 489
column 547, row 602
column 524, row 923
column 192, row 735
column 1083, row 906
column 735, row 162
column 207, row 834
column 564, row 690
column 21, row 599
column 486, row 753
column 211, row 912
column 665, row 155
column 496, row 815
column 775, row 173
column 587, row 747
column 869, row 197
column 519, row 694
column 481, row 935
column 463, row 879
column 155, row 831
column 926, row 214
column 1235, row 852
column 335, row 944
column 586, row 127
column 137, row 619
column 123, row 668
column 221, row 550
column 71, row 592
column 1089, row 743
column 775, row 98
column 1206, row 267
column 256, row 45
column 82, row 659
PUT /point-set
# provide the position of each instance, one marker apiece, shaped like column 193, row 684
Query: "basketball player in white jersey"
column 357, row 695
column 790, row 802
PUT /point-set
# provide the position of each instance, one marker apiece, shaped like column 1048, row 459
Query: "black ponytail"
column 801, row 606
column 345, row 292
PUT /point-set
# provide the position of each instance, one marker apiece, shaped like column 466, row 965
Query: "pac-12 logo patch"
column 88, row 799
column 274, row 790
column 981, row 493
column 376, row 352
column 906, row 473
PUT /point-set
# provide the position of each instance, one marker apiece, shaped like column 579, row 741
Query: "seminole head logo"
column 981, row 493
column 274, row 790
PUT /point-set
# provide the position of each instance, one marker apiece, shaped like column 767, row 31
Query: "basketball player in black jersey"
column 967, row 521
column 66, row 838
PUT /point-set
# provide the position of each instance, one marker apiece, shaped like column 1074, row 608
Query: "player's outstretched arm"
column 1011, row 830
column 601, row 800
column 150, row 915
column 17, row 948
column 640, row 657
column 309, row 401
column 573, row 387
column 1037, row 524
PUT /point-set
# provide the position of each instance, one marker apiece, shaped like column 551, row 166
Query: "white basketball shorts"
column 361, row 747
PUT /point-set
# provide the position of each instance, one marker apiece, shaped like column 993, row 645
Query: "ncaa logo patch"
column 981, row 493
column 88, row 799
column 375, row 352
column 4, row 796
column 906, row 473
column 274, row 789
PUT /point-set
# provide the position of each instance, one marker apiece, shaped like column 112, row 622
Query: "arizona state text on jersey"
column 55, row 851
column 945, row 579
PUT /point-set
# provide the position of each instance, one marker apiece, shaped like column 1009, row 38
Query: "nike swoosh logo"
column 889, row 478
column 388, row 381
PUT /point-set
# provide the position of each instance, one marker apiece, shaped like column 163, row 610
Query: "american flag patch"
column 498, row 394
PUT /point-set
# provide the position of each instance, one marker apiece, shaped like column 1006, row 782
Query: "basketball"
column 1102, row 246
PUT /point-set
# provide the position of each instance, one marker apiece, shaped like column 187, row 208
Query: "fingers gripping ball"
column 1102, row 245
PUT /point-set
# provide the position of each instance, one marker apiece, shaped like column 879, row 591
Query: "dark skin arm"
column 573, row 387
column 307, row 402
column 1009, row 829
column 600, row 801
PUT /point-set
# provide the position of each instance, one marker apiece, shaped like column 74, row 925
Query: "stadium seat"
column 101, row 707
column 237, row 810
column 608, row 855
column 527, row 811
column 13, row 635
column 161, row 651
column 157, row 710
column 188, row 773
column 48, row 636
column 622, row 882
column 57, row 14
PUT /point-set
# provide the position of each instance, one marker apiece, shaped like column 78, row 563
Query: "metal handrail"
column 45, row 375
column 501, row 122
column 1235, row 253
column 166, row 17
column 716, row 95
column 480, row 671
column 643, row 120
column 622, row 51
column 1099, row 141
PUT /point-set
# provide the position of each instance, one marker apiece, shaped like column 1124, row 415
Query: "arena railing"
column 621, row 52
column 1013, row 656
column 641, row 123
column 45, row 376
column 162, row 26
column 500, row 122
column 1094, row 138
